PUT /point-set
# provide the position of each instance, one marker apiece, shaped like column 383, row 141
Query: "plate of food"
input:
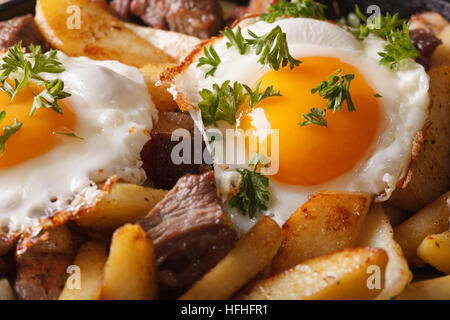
column 214, row 150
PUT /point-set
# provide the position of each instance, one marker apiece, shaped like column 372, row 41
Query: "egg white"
column 114, row 115
column 404, row 105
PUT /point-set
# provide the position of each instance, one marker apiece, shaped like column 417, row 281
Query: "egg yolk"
column 313, row 154
column 36, row 136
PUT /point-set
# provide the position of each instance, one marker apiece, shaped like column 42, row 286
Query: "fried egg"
column 44, row 173
column 365, row 151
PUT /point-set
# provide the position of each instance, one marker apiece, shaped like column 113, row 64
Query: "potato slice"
column 163, row 100
column 430, row 172
column 91, row 260
column 130, row 271
column 377, row 232
column 430, row 220
column 435, row 250
column 434, row 289
column 126, row 203
column 329, row 221
column 441, row 57
column 342, row 275
column 252, row 252
column 6, row 292
column 95, row 33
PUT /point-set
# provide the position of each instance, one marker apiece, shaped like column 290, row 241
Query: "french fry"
column 82, row 28
column 6, row 292
column 435, row 250
column 434, row 289
column 91, row 260
column 377, row 233
column 130, row 271
column 126, row 203
column 356, row 273
column 252, row 252
column 430, row 220
column 329, row 221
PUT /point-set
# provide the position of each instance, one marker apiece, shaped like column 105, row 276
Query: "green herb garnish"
column 316, row 116
column 68, row 134
column 221, row 103
column 253, row 192
column 273, row 49
column 49, row 97
column 380, row 25
column 295, row 8
column 236, row 39
column 256, row 96
column 211, row 58
column 8, row 131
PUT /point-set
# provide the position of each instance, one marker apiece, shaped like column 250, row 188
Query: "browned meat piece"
column 7, row 266
column 21, row 28
column 41, row 276
column 426, row 43
column 156, row 154
column 189, row 233
column 200, row 18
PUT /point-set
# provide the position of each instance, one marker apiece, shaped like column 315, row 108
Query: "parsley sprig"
column 16, row 62
column 211, row 58
column 8, row 131
column 68, row 134
column 336, row 90
column 273, row 49
column 294, row 8
column 221, row 103
column 256, row 96
column 395, row 31
column 235, row 39
column 253, row 192
column 316, row 116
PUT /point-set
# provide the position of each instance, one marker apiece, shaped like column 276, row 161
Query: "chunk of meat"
column 157, row 153
column 41, row 276
column 200, row 18
column 431, row 22
column 425, row 43
column 21, row 29
column 189, row 233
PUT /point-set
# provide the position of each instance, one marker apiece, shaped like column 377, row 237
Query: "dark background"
column 405, row 7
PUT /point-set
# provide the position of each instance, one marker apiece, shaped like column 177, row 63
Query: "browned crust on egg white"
column 34, row 235
column 184, row 104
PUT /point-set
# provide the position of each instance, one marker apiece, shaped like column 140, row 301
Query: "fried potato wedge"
column 6, row 292
column 250, row 255
column 83, row 28
column 430, row 171
column 377, row 232
column 130, row 271
column 435, row 250
column 434, row 289
column 430, row 220
column 441, row 57
column 163, row 100
column 346, row 274
column 91, row 260
column 329, row 221
column 126, row 203
column 176, row 45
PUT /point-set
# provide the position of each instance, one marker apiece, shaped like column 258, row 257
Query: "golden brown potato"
column 252, row 252
column 91, row 260
column 430, row 175
column 130, row 271
column 435, row 250
column 434, row 289
column 356, row 273
column 161, row 97
column 60, row 240
column 329, row 221
column 441, row 57
column 6, row 292
column 126, row 203
column 82, row 28
column 430, row 220
column 377, row 232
